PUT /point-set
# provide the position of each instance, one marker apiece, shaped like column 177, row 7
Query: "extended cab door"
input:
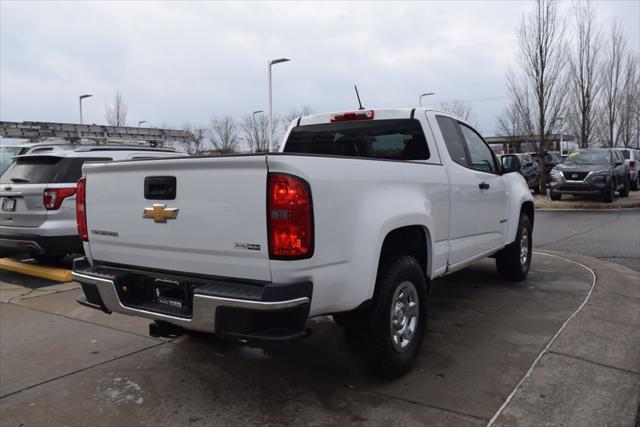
column 464, row 193
column 492, row 202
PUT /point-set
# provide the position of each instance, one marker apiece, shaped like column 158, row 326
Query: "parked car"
column 354, row 217
column 632, row 160
column 597, row 172
column 551, row 160
column 37, row 196
column 527, row 166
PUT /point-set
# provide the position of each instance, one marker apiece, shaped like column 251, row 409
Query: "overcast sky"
column 178, row 62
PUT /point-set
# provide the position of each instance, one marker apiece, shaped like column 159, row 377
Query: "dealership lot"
column 64, row 363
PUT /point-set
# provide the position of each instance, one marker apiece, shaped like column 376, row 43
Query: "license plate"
column 8, row 205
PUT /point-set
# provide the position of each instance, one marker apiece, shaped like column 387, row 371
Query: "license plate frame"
column 171, row 293
column 8, row 204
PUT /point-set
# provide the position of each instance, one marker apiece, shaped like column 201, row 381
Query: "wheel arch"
column 409, row 239
column 528, row 210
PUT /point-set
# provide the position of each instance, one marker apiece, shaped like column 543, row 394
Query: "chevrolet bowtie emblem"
column 159, row 213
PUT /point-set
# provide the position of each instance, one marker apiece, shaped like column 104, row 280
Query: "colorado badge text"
column 160, row 213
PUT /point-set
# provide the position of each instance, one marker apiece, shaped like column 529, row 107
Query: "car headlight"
column 556, row 175
column 598, row 176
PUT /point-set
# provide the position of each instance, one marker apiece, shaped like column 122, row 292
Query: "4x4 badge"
column 160, row 213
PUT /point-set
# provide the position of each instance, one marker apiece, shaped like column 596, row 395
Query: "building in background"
column 528, row 143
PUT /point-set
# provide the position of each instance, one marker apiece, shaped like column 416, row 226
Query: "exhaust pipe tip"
column 154, row 330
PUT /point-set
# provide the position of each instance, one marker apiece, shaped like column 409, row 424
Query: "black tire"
column 509, row 260
column 48, row 258
column 625, row 190
column 634, row 184
column 389, row 353
column 554, row 195
column 609, row 195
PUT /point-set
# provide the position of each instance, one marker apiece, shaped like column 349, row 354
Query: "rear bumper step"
column 271, row 311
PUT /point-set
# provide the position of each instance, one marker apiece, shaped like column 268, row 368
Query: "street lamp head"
column 85, row 96
column 428, row 93
column 258, row 112
column 277, row 61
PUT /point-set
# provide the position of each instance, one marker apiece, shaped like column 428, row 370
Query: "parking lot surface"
column 610, row 236
column 61, row 363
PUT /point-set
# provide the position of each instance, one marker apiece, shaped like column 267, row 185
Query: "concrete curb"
column 589, row 372
column 633, row 208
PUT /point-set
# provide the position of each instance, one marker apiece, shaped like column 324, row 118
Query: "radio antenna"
column 358, row 95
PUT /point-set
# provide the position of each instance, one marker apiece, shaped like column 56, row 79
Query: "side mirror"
column 510, row 163
column 619, row 163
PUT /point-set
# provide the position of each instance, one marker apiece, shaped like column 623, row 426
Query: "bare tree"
column 510, row 125
column 584, row 75
column 630, row 103
column 613, row 75
column 223, row 134
column 193, row 145
column 255, row 130
column 538, row 88
column 460, row 109
column 116, row 114
column 293, row 114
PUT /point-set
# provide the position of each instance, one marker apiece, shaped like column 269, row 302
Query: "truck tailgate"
column 219, row 229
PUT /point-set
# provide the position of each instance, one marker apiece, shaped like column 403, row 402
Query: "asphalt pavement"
column 609, row 236
column 493, row 351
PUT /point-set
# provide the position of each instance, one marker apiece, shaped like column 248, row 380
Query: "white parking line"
column 546, row 348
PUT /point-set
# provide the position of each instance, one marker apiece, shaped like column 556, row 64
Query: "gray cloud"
column 177, row 62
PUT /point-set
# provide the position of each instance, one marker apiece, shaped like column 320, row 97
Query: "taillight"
column 632, row 163
column 290, row 217
column 53, row 197
column 81, row 209
column 353, row 115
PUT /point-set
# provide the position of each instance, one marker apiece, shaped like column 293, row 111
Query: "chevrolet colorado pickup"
column 354, row 217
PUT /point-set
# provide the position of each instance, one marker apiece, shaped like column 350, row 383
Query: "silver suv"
column 37, row 197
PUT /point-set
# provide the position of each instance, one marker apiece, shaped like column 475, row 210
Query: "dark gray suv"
column 595, row 172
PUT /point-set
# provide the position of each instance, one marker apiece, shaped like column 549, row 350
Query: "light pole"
column 81, row 97
column 272, row 62
column 253, row 126
column 141, row 122
column 424, row 94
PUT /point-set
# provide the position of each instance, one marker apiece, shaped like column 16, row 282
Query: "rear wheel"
column 555, row 196
column 514, row 260
column 392, row 328
column 634, row 183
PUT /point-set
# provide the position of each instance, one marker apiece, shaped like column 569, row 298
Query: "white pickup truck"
column 354, row 217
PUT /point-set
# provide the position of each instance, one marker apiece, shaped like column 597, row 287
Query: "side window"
column 453, row 141
column 481, row 155
column 75, row 168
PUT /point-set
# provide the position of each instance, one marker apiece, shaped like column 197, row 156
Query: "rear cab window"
column 396, row 139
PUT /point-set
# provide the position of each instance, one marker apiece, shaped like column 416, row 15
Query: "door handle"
column 484, row 186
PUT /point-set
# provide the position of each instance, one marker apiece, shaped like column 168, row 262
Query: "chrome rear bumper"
column 204, row 307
